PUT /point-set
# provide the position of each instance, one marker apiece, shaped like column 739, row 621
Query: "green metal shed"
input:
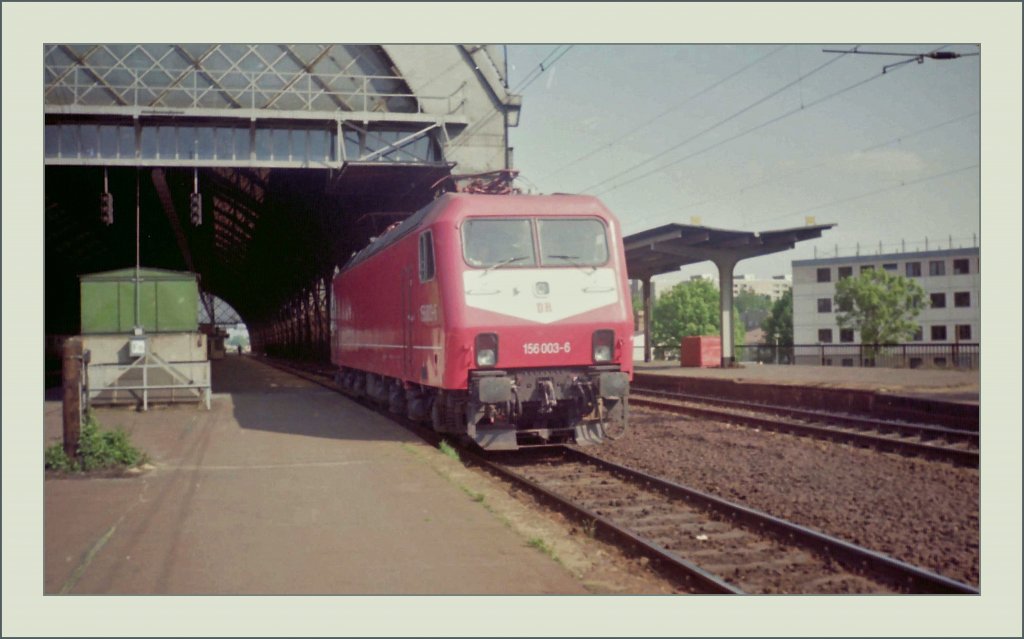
column 168, row 301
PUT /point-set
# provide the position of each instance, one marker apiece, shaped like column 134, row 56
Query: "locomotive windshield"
column 579, row 242
column 492, row 243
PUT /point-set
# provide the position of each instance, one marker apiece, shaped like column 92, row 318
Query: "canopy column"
column 725, row 269
column 648, row 318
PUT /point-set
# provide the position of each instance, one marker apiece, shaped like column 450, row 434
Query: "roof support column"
column 725, row 265
column 648, row 318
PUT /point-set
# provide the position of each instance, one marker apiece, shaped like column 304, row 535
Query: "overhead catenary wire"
column 667, row 111
column 861, row 196
column 541, row 68
column 744, row 133
column 803, row 169
column 707, row 130
column 767, row 123
column 526, row 82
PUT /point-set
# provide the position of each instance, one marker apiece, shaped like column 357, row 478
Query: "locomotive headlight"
column 486, row 347
column 603, row 342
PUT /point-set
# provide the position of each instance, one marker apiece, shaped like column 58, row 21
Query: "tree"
column 778, row 326
column 689, row 309
column 638, row 306
column 752, row 307
column 879, row 305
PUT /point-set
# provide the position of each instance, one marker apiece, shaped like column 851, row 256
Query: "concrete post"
column 648, row 319
column 725, row 268
column 72, row 379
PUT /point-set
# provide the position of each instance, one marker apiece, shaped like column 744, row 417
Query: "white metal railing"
column 106, row 381
column 196, row 88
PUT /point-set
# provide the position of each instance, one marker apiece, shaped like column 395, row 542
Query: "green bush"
column 447, row 449
column 97, row 450
column 56, row 459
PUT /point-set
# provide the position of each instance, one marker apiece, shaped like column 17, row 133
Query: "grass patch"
column 541, row 545
column 97, row 450
column 447, row 449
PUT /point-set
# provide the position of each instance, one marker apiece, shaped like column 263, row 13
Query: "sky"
column 759, row 137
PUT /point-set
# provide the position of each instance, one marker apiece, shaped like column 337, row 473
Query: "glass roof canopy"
column 267, row 105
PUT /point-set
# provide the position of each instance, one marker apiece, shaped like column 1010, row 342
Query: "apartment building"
column 775, row 287
column 950, row 278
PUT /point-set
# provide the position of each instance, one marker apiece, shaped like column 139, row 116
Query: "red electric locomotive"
column 505, row 319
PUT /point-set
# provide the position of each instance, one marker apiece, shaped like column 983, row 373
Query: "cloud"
column 886, row 161
column 551, row 78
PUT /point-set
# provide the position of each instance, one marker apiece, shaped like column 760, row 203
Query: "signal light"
column 106, row 208
column 604, row 342
column 196, row 208
column 486, row 347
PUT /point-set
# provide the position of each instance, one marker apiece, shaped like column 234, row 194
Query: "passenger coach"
column 502, row 318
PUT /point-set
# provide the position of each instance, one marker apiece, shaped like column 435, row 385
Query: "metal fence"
column 956, row 355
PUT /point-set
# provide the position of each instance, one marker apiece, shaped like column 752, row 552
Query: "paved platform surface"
column 282, row 488
column 947, row 385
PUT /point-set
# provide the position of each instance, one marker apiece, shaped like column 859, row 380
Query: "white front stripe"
column 540, row 295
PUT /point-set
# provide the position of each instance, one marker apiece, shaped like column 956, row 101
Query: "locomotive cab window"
column 498, row 242
column 572, row 242
column 426, row 257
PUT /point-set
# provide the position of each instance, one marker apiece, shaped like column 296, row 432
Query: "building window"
column 963, row 331
column 936, row 267
column 938, row 333
column 846, row 335
column 939, row 361
column 918, row 335
column 913, row 269
column 847, row 361
column 824, row 275
column 845, row 271
column 824, row 305
column 890, row 267
column 825, row 335
column 962, row 300
column 938, row 300
column 915, row 362
column 961, row 267
column 866, row 267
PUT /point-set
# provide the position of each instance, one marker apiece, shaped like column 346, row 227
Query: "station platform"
column 282, row 487
column 945, row 395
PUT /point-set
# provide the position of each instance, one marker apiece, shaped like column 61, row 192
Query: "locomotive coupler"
column 548, row 401
column 584, row 395
column 490, row 412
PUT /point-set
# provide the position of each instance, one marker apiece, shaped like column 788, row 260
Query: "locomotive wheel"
column 446, row 414
column 437, row 414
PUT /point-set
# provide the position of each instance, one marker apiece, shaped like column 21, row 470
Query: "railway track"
column 708, row 543
column 958, row 446
column 704, row 543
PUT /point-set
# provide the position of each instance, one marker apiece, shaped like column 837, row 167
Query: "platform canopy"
column 665, row 249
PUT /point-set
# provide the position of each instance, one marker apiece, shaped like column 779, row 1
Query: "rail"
column 960, row 447
column 901, row 576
